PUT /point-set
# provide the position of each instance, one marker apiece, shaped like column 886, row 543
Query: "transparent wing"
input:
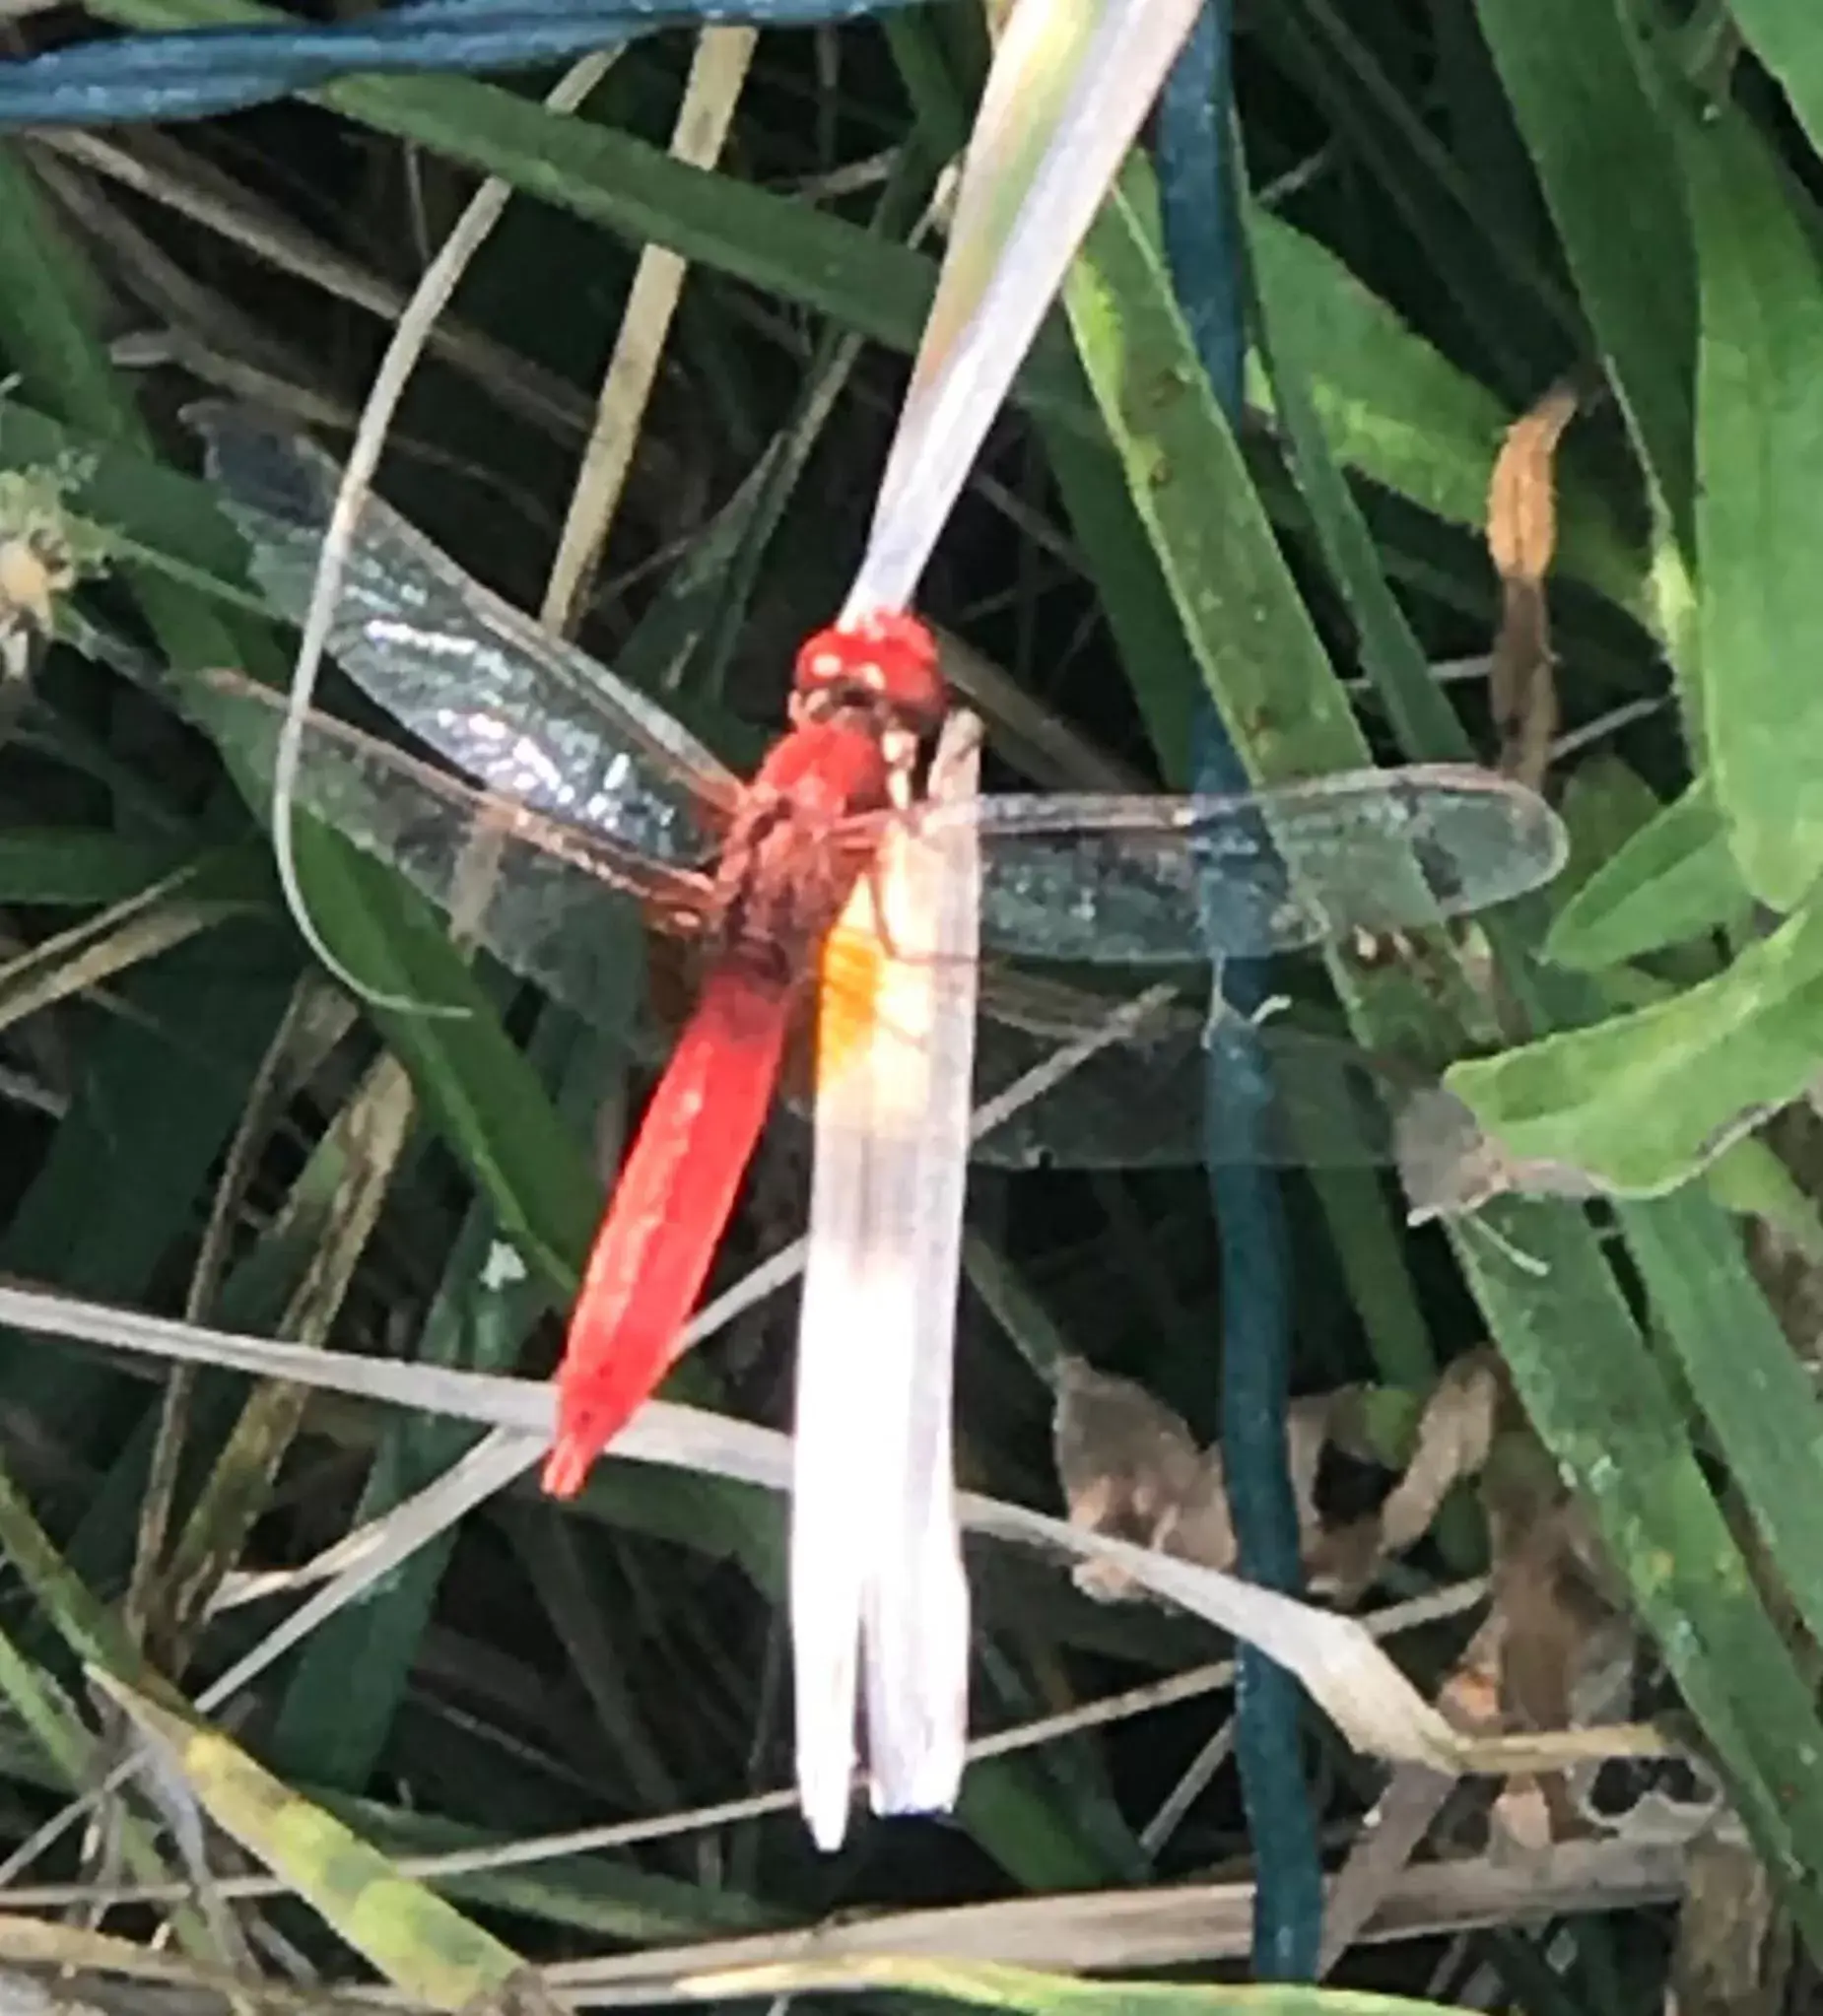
column 1155, row 880
column 1141, row 1103
column 483, row 685
column 560, row 902
column 555, row 903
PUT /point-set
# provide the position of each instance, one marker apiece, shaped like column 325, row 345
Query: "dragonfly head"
column 887, row 660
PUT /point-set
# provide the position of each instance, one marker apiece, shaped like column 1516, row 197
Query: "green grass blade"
column 1601, row 1404
column 986, row 1985
column 1608, row 169
column 1287, row 711
column 1672, row 880
column 1784, row 36
column 1620, row 1100
column 417, row 1942
column 1759, row 438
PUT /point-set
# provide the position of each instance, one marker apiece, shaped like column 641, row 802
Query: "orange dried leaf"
column 1521, row 496
column 1521, row 538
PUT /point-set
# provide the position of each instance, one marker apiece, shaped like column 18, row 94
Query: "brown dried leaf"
column 1550, row 1612
column 1521, row 538
column 1521, row 495
column 1734, row 1945
column 1455, row 1434
column 1569, row 1658
column 1543, row 1612
column 1452, row 1443
column 1544, row 1658
column 1523, row 685
column 1792, row 1282
column 1129, row 1468
column 1413, row 1798
column 1666, row 1800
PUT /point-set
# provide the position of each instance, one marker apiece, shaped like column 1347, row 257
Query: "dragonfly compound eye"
column 887, row 655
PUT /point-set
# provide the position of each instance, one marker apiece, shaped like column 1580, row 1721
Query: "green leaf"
column 1286, row 711
column 325, row 1734
column 1235, row 599
column 1750, row 1180
column 1784, row 36
column 474, row 1080
column 1754, row 1390
column 153, row 514
column 1233, row 591
column 155, row 1103
column 92, row 1630
column 1398, row 411
column 1403, row 415
column 75, row 865
column 1759, row 445
column 1608, row 169
column 1606, row 1412
column 1642, row 1101
column 1671, row 881
column 49, row 323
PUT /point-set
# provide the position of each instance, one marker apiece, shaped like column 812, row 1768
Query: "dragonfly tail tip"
column 567, row 1467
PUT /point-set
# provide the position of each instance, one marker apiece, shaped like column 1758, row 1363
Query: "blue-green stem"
column 1198, row 186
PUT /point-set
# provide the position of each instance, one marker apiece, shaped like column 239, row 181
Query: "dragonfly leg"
column 1222, row 1010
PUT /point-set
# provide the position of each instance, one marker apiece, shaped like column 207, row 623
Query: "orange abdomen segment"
column 654, row 1251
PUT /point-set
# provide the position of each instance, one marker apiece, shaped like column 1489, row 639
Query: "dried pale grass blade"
column 968, row 1954
column 1170, row 1925
column 170, row 912
column 832, row 1451
column 1071, row 84
column 1338, row 1659
column 875, row 1559
column 916, row 1620
column 718, row 73
column 1455, row 1433
column 352, row 1563
column 1193, row 1684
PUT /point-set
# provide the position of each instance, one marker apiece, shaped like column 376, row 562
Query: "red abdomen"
column 669, row 1210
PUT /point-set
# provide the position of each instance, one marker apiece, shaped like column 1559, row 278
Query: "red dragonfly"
column 595, row 795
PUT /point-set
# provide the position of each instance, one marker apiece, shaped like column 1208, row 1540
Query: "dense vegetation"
column 1455, row 210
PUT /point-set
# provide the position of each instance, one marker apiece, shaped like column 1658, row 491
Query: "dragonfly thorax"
column 789, row 862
